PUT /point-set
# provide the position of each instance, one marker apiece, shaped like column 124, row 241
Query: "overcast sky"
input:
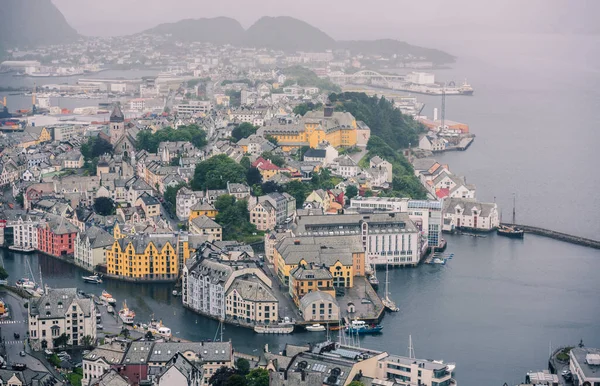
column 344, row 19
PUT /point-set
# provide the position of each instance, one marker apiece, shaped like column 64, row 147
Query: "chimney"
column 328, row 111
column 296, row 242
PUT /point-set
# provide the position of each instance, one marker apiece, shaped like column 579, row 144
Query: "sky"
column 345, row 19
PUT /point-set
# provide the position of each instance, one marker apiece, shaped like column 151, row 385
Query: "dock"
column 558, row 235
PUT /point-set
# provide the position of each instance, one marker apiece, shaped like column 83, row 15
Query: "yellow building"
column 203, row 209
column 305, row 279
column 147, row 257
column 343, row 256
column 337, row 128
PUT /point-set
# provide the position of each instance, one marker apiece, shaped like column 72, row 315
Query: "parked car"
column 99, row 327
column 19, row 366
column 22, row 353
column 17, row 335
column 48, row 353
column 566, row 372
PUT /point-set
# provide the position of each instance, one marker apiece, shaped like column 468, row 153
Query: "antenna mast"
column 443, row 116
column 514, row 221
column 411, row 349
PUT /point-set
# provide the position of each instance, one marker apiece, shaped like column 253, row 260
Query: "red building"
column 57, row 236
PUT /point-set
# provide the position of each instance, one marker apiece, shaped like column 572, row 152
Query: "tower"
column 117, row 124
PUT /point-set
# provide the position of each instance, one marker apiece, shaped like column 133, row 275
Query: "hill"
column 388, row 47
column 216, row 30
column 287, row 33
column 32, row 22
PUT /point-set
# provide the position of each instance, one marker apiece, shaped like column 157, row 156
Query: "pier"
column 558, row 235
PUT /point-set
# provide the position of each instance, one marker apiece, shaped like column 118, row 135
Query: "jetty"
column 558, row 235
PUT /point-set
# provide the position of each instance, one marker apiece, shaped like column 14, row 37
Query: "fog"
column 346, row 19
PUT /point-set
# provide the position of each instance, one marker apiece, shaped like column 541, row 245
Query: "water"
column 496, row 307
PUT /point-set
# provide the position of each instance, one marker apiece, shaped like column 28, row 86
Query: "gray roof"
column 110, row 378
column 319, row 250
column 251, row 288
column 423, row 163
column 184, row 366
column 204, row 222
column 315, row 153
column 117, row 115
column 56, row 303
column 138, row 353
column 468, row 205
column 201, row 205
column 207, row 351
column 148, row 199
column 28, row 377
column 141, row 241
column 315, row 296
column 580, row 354
column 112, row 353
column 98, row 237
column 333, row 225
column 310, row 272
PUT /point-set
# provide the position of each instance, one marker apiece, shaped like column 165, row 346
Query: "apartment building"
column 90, row 247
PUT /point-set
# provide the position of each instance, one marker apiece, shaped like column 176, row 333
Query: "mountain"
column 32, row 22
column 217, row 30
column 287, row 33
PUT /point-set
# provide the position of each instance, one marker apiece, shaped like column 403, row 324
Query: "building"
column 284, row 204
column 110, row 378
column 470, row 214
column 432, row 143
column 187, row 198
column 57, row 236
column 387, row 238
column 194, row 107
column 101, row 360
column 149, row 204
column 150, row 257
column 239, row 191
column 267, row 168
column 61, row 311
column 585, row 366
column 343, row 256
column 337, row 128
column 205, row 226
column 25, row 231
column 90, row 247
column 264, row 216
column 117, row 124
column 179, row 371
column 235, row 290
column 306, row 279
column 318, row 306
column 379, row 163
column 202, row 208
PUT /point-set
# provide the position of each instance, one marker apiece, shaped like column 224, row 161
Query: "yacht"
column 126, row 314
column 360, row 327
column 108, row 298
column 315, row 328
column 95, row 279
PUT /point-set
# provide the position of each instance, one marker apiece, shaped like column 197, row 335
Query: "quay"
column 558, row 235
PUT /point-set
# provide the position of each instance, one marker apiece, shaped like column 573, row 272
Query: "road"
column 358, row 156
column 17, row 323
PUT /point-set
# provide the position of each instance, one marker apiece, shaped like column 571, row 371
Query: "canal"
column 494, row 309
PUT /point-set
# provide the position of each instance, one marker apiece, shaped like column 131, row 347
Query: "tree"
column 61, row 341
column 171, row 194
column 95, row 147
column 356, row 383
column 20, row 199
column 258, row 377
column 220, row 377
column 236, row 380
column 253, row 176
column 234, row 218
column 351, row 191
column 245, row 162
column 274, row 158
column 235, row 98
column 104, row 206
column 243, row 130
column 298, row 190
column 3, row 273
column 272, row 139
column 303, row 108
column 368, row 193
column 243, row 366
column 87, row 341
column 146, row 140
column 215, row 172
column 54, row 359
column 270, row 187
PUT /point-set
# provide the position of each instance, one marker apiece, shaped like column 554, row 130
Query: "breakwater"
column 558, row 236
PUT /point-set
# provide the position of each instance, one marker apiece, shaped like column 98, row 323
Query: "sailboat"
column 387, row 302
column 511, row 231
column 373, row 278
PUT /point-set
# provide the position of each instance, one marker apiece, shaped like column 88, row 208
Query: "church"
column 122, row 134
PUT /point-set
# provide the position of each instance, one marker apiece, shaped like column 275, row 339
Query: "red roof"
column 443, row 192
column 265, row 164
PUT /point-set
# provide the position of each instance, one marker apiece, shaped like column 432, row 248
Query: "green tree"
column 55, row 360
column 95, row 147
column 146, row 140
column 236, row 380
column 298, row 190
column 356, row 383
column 61, row 340
column 215, row 172
column 303, row 108
column 245, row 162
column 253, row 176
column 274, row 158
column 234, row 217
column 368, row 193
column 220, row 377
column 351, row 191
column 243, row 130
column 258, row 377
column 270, row 187
column 242, row 365
column 87, row 341
column 3, row 274
column 104, row 206
column 272, row 139
column 20, row 199
column 171, row 194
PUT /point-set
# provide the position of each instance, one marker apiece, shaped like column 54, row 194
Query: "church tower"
column 117, row 124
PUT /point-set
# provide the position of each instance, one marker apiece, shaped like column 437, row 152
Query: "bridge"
column 366, row 75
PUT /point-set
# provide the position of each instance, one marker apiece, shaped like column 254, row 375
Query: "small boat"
column 110, row 309
column 374, row 281
column 315, row 328
column 108, row 298
column 360, row 327
column 512, row 231
column 21, row 249
column 335, row 327
column 126, row 314
column 95, row 279
column 25, row 283
column 156, row 327
column 439, row 260
column 165, row 332
column 274, row 329
column 387, row 302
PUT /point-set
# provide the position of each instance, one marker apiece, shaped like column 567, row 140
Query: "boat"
column 156, row 327
column 108, row 298
column 95, row 279
column 315, row 328
column 126, row 314
column 26, row 283
column 175, row 293
column 512, row 231
column 274, row 329
column 466, row 89
column 439, row 260
column 336, row 327
column 21, row 249
column 110, row 309
column 165, row 332
column 374, row 281
column 387, row 302
column 360, row 327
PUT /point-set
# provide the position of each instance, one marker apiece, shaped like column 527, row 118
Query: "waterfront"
column 494, row 308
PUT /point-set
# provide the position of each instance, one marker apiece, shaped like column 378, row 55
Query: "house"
column 305, row 279
column 72, row 160
column 345, row 166
column 284, row 204
column 203, row 225
column 61, row 311
column 432, row 143
column 179, row 371
column 149, row 204
column 57, row 236
column 239, row 191
column 267, row 168
column 187, row 198
column 101, row 360
column 381, row 164
column 329, row 201
column 319, row 306
column 256, row 144
column 462, row 213
column 110, row 378
column 585, row 365
column 264, row 216
column 27, row 377
column 90, row 247
column 203, row 209
column 250, row 300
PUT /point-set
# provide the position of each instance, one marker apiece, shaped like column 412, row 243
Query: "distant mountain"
column 32, row 22
column 217, row 30
column 287, row 33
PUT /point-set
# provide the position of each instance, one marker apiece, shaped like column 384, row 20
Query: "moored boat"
column 110, row 309
column 94, row 279
column 360, row 327
column 126, row 315
column 274, row 329
column 315, row 328
column 22, row 249
column 108, row 298
column 25, row 283
column 156, row 327
column 512, row 231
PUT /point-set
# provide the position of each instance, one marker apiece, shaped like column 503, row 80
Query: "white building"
column 194, row 107
column 187, row 198
column 585, row 365
column 460, row 213
column 420, row 78
column 90, row 247
column 345, row 166
column 432, row 143
column 100, row 360
column 61, row 311
column 25, row 231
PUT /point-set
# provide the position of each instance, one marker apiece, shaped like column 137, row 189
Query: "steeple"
column 117, row 115
column 117, row 124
